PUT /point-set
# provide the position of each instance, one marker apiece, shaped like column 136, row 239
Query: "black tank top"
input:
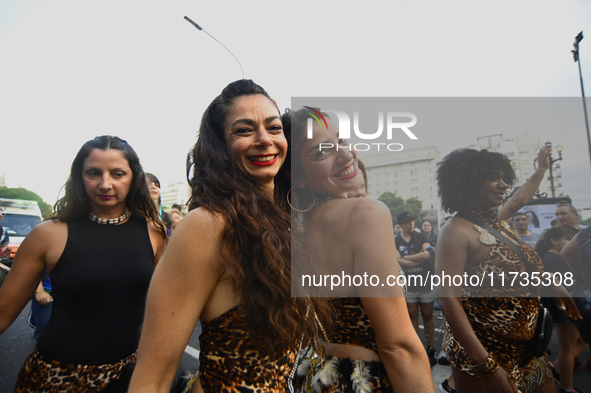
column 99, row 284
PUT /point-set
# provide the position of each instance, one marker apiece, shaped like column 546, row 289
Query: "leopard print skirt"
column 39, row 375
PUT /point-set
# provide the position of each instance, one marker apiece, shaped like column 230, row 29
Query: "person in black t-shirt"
column 417, row 264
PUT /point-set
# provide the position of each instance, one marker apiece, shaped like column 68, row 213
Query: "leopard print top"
column 503, row 325
column 229, row 361
column 351, row 325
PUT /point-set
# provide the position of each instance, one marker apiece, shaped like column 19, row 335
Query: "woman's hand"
column 499, row 382
column 568, row 305
column 43, row 298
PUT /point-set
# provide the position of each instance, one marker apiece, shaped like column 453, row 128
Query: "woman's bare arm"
column 180, row 289
column 399, row 346
column 158, row 241
column 39, row 252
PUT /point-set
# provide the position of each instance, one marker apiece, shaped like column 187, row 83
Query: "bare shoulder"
column 454, row 228
column 203, row 220
column 199, row 230
column 363, row 210
column 48, row 232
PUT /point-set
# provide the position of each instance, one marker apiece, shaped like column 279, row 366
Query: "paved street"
column 18, row 342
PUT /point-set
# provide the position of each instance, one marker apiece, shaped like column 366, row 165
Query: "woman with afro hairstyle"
column 489, row 326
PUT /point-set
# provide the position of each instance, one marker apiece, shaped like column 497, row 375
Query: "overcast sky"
column 72, row 70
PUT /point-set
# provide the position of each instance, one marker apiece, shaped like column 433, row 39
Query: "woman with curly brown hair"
column 490, row 327
column 372, row 345
column 228, row 262
column 100, row 248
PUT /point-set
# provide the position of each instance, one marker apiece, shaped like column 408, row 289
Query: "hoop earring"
column 301, row 211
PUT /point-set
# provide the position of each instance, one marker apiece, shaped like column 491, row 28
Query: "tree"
column 24, row 194
column 397, row 205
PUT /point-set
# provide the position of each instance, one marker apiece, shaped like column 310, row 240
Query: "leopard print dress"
column 337, row 375
column 229, row 361
column 504, row 325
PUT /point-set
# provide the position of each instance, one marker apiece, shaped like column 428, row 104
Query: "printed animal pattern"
column 504, row 325
column 351, row 324
column 229, row 361
column 42, row 376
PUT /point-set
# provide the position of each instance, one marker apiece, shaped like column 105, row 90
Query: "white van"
column 19, row 219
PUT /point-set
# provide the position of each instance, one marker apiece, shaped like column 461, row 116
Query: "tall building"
column 178, row 192
column 407, row 173
column 521, row 150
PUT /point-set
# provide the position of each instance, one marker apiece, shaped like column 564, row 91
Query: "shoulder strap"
column 499, row 236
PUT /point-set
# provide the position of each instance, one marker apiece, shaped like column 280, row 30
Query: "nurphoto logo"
column 395, row 122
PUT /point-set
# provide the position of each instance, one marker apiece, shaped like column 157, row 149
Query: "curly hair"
column 463, row 171
column 557, row 232
column 75, row 204
column 255, row 242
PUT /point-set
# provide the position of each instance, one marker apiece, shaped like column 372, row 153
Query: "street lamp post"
column 577, row 59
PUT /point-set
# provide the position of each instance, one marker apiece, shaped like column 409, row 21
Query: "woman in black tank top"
column 100, row 247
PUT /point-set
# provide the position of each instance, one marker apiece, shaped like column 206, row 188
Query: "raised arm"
column 43, row 244
column 527, row 191
column 399, row 346
column 181, row 286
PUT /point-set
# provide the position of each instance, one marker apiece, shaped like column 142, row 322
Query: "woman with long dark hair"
column 371, row 345
column 100, row 248
column 228, row 262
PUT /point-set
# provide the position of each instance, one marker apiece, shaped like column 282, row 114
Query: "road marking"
column 192, row 351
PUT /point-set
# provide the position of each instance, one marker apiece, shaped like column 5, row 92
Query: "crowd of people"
column 127, row 280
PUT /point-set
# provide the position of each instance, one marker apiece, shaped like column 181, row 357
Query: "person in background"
column 4, row 250
column 416, row 260
column 567, row 215
column 397, row 229
column 179, row 208
column 41, row 306
column 549, row 248
column 176, row 217
column 4, row 239
column 578, row 253
column 533, row 219
column 100, row 246
column 427, row 230
column 154, row 187
column 521, row 224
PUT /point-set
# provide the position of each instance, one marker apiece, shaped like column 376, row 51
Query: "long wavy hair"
column 255, row 248
column 75, row 204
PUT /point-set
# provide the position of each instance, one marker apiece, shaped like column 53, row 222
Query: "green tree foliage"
column 24, row 194
column 397, row 205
